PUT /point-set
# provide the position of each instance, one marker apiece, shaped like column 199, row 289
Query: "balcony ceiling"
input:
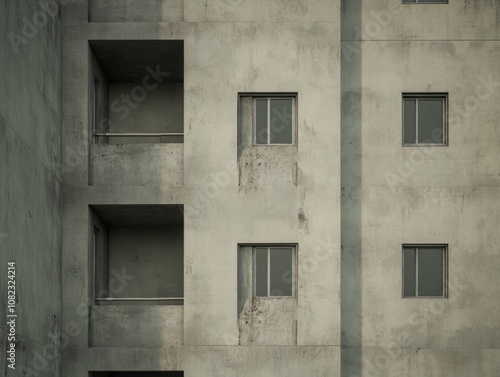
column 171, row 215
column 126, row 61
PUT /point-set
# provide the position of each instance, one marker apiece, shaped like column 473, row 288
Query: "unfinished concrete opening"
column 138, row 254
column 137, row 374
column 267, row 294
column 136, row 91
column 267, row 139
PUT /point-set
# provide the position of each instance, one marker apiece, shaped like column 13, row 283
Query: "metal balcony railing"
column 139, row 298
column 137, row 134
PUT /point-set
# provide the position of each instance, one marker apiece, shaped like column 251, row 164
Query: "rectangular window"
column 425, row 1
column 425, row 119
column 274, row 120
column 274, row 271
column 424, row 271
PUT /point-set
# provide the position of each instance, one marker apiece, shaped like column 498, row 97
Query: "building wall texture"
column 347, row 194
column 394, row 195
column 30, row 183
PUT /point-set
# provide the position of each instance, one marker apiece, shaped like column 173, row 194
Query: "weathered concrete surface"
column 467, row 70
column 30, row 205
column 260, row 11
column 133, row 11
column 221, row 59
column 130, row 326
column 391, row 195
column 268, row 165
column 226, row 361
column 394, row 195
column 266, row 321
column 421, row 362
column 392, row 20
column 137, row 164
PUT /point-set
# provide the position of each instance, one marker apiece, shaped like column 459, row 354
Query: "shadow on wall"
column 351, row 167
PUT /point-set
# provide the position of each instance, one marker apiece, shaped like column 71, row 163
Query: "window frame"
column 444, row 256
column 444, row 121
column 269, row 97
column 254, row 268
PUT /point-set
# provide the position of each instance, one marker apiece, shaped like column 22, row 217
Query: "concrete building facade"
column 252, row 188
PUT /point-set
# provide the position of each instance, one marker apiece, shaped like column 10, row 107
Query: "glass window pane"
column 261, row 121
column 408, row 272
column 281, row 271
column 430, row 121
column 430, row 271
column 409, row 122
column 281, row 121
column 261, row 272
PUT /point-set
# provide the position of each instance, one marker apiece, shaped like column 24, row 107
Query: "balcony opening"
column 136, row 91
column 138, row 254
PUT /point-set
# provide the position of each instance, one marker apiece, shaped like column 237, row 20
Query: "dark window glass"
column 409, row 272
column 261, row 272
column 281, row 271
column 261, row 121
column 430, row 121
column 281, row 121
column 409, row 136
column 430, row 271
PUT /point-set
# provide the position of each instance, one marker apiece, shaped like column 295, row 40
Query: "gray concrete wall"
column 242, row 361
column 298, row 53
column 128, row 326
column 133, row 11
column 394, row 195
column 154, row 256
column 268, row 321
column 390, row 195
column 137, row 164
column 30, row 183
